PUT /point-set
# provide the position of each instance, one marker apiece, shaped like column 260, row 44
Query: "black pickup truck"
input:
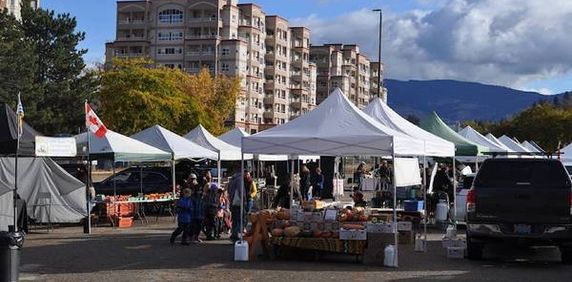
column 523, row 201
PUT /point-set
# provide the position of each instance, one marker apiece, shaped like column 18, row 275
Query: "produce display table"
column 115, row 211
column 331, row 245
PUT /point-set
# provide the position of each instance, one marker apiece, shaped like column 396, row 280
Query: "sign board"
column 55, row 146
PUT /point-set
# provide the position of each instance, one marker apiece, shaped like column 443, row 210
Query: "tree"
column 135, row 95
column 39, row 57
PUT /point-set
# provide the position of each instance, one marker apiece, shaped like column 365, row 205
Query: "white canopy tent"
column 433, row 145
column 566, row 156
column 234, row 137
column 513, row 145
column 527, row 145
column 335, row 128
column 493, row 139
column 473, row 135
column 225, row 151
column 179, row 147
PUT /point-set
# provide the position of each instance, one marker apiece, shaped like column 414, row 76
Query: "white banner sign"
column 55, row 147
column 407, row 172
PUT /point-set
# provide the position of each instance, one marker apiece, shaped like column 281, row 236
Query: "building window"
column 170, row 35
column 225, row 51
column 225, row 67
column 171, row 16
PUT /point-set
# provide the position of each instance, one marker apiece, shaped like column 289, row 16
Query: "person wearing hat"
column 212, row 205
column 183, row 210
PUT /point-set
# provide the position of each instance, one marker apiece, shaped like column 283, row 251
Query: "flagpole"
column 87, row 229
column 19, row 112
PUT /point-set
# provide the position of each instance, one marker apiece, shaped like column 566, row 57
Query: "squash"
column 317, row 234
column 277, row 232
column 292, row 231
column 335, row 235
column 326, row 234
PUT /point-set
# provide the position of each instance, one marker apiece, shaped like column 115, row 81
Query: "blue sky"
column 472, row 40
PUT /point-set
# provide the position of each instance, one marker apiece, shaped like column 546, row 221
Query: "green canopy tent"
column 463, row 147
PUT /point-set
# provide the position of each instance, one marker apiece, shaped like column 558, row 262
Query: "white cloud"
column 506, row 42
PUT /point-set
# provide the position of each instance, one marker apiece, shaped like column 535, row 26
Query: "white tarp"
column 513, row 145
column 473, row 135
column 335, row 128
column 407, row 172
column 168, row 141
column 434, row 145
column 204, row 138
column 121, row 148
column 234, row 137
column 39, row 179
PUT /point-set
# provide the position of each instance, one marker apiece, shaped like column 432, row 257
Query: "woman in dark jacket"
column 282, row 198
column 305, row 182
column 318, row 184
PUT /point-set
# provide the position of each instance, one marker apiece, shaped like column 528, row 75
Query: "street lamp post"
column 379, row 81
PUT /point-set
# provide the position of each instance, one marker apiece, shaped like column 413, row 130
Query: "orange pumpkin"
column 317, row 234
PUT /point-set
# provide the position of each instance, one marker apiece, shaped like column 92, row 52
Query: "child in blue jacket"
column 184, row 216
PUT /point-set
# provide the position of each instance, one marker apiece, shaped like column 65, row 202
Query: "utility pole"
column 379, row 81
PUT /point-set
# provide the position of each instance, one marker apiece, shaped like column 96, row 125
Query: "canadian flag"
column 93, row 123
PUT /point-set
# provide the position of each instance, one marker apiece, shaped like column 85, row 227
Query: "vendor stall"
column 336, row 128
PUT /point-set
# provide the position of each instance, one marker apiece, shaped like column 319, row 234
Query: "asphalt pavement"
column 143, row 253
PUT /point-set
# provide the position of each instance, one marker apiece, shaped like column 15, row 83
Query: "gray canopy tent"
column 52, row 195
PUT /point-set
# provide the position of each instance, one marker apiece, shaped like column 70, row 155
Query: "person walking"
column 237, row 196
column 318, row 184
column 305, row 182
column 183, row 210
column 197, row 214
column 212, row 206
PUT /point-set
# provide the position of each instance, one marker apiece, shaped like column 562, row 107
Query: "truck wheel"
column 474, row 250
column 566, row 255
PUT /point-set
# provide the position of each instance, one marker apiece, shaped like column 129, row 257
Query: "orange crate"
column 125, row 222
column 110, row 209
column 125, row 209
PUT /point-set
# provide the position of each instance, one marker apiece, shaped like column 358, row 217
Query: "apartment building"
column 375, row 67
column 343, row 66
column 227, row 38
column 14, row 6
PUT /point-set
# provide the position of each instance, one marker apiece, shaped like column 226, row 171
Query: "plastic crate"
column 413, row 205
column 125, row 209
column 125, row 222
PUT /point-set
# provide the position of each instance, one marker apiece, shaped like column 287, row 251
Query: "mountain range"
column 457, row 101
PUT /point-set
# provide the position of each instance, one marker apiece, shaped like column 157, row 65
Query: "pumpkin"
column 292, row 231
column 317, row 234
column 335, row 235
column 277, row 232
column 363, row 217
column 283, row 215
column 286, row 223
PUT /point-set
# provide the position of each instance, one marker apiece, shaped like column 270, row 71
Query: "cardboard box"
column 456, row 252
column 454, row 243
column 353, row 235
column 404, row 226
column 379, row 228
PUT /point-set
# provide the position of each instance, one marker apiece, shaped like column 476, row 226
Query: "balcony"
column 200, row 36
column 131, row 22
column 131, row 37
column 268, row 115
column 268, row 100
column 202, row 19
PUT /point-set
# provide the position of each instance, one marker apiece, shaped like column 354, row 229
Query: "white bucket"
column 451, row 232
column 420, row 245
column 241, row 251
column 441, row 211
column 390, row 256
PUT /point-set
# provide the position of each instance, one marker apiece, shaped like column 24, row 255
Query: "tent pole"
column 395, row 234
column 114, row 179
column 241, row 195
column 218, row 168
column 173, row 177
column 15, row 195
column 87, row 229
column 292, row 184
column 425, row 198
column 454, row 194
column 141, row 178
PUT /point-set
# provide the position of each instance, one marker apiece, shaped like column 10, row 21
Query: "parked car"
column 524, row 201
column 134, row 180
column 462, row 189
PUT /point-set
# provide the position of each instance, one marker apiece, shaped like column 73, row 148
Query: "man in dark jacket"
column 237, row 195
column 197, row 214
